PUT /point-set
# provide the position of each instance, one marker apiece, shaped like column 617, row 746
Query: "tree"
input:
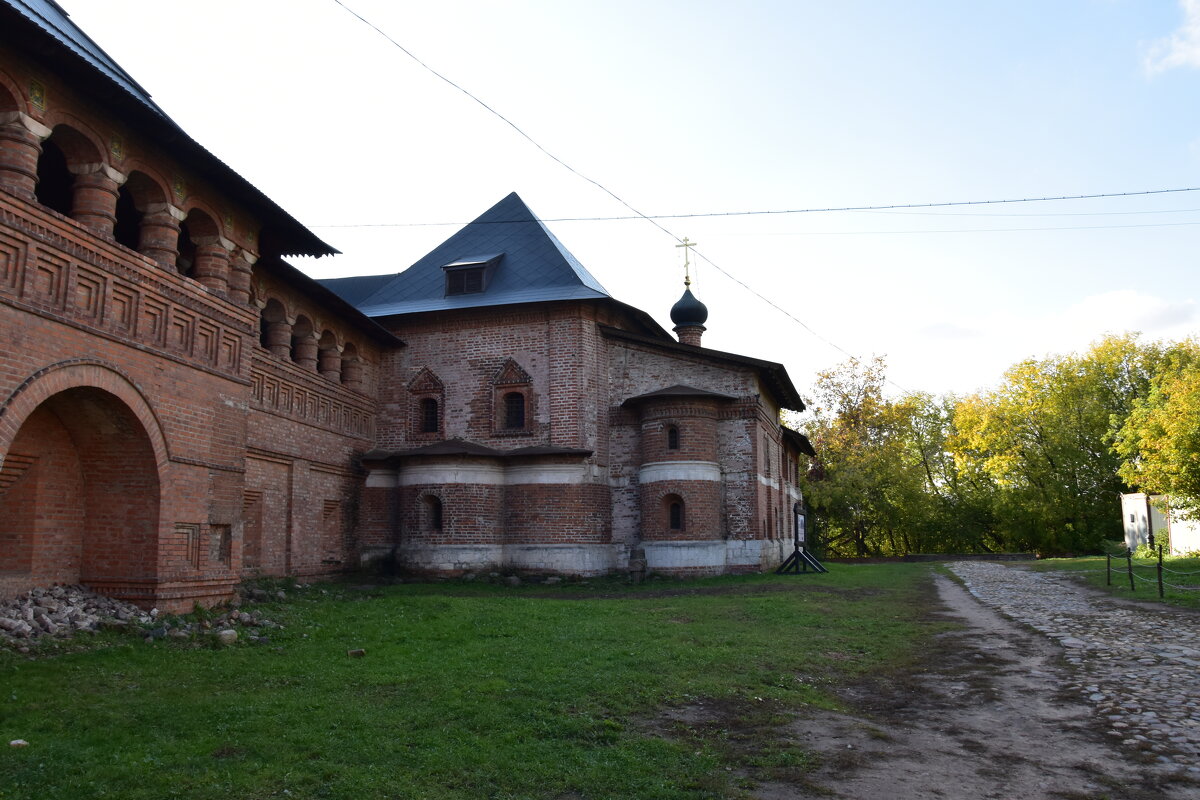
column 1045, row 437
column 883, row 482
column 1159, row 441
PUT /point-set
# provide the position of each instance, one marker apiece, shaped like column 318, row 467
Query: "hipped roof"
column 534, row 267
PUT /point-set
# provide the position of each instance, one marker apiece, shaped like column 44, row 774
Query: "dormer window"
column 464, row 281
column 470, row 275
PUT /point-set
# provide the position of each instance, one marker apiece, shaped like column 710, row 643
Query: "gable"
column 511, row 374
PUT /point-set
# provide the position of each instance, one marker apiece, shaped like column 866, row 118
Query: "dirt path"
column 987, row 719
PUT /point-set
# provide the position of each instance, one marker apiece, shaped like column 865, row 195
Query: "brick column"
column 212, row 263
column 279, row 338
column 20, row 147
column 159, row 235
column 305, row 354
column 352, row 374
column 239, row 276
column 94, row 200
column 329, row 363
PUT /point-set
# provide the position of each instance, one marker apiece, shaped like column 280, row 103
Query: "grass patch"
column 465, row 691
column 1181, row 577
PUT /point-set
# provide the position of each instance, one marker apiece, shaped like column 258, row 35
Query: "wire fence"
column 1131, row 567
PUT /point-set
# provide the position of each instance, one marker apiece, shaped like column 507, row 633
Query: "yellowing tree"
column 1045, row 437
column 1160, row 439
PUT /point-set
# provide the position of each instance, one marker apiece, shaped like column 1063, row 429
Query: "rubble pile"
column 65, row 610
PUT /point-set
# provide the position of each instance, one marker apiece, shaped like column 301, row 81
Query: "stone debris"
column 65, row 610
column 1135, row 665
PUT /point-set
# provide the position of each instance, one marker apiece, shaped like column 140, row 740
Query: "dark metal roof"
column 799, row 441
column 773, row 374
column 54, row 20
column 678, row 390
column 535, row 268
column 358, row 288
column 44, row 29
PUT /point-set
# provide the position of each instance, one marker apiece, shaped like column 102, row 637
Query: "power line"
column 654, row 221
column 897, row 207
column 984, row 230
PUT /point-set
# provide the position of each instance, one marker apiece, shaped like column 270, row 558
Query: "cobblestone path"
column 1137, row 665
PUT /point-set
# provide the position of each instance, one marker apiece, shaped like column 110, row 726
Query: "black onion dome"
column 689, row 311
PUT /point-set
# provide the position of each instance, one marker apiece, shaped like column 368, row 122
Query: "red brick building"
column 180, row 408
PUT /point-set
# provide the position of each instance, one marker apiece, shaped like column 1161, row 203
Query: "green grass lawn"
column 1181, row 577
column 465, row 691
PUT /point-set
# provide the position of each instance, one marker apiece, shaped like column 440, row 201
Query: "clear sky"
column 695, row 107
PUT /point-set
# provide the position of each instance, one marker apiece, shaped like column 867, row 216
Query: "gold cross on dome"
column 687, row 249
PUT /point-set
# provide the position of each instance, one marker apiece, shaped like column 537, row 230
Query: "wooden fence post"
column 1129, row 566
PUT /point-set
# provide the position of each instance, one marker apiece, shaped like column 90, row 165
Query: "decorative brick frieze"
column 284, row 389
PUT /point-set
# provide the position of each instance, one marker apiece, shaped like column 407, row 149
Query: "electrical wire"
column 896, row 208
column 639, row 214
column 653, row 220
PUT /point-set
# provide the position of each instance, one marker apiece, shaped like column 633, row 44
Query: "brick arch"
column 205, row 218
column 153, row 172
column 85, row 506
column 11, row 98
column 80, row 374
column 146, row 187
column 78, row 141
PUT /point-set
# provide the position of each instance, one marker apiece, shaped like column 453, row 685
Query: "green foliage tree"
column 1159, row 440
column 1029, row 465
column 1044, row 436
column 883, row 482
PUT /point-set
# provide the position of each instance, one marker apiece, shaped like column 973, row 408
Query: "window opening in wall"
column 127, row 229
column 675, row 515
column 433, row 513
column 672, row 438
column 185, row 262
column 55, row 183
column 514, row 411
column 429, row 415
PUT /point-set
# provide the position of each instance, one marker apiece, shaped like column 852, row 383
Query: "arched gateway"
column 79, row 483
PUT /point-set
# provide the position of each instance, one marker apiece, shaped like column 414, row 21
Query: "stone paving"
column 1138, row 666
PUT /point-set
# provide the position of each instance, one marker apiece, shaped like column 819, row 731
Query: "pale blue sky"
column 683, row 107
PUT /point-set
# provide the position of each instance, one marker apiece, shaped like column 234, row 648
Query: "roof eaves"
column 775, row 373
column 322, row 294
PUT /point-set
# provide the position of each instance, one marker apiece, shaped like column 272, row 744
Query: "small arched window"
column 430, row 423
column 514, row 411
column 675, row 516
column 672, row 437
column 673, row 506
